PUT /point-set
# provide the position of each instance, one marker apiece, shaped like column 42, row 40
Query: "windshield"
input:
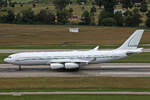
column 9, row 57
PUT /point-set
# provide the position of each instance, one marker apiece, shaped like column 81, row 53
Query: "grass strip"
column 74, row 84
column 76, row 97
column 56, row 47
column 139, row 58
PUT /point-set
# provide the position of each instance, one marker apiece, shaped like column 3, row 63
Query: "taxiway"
column 74, row 93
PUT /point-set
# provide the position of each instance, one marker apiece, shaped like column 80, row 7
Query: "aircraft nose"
column 7, row 60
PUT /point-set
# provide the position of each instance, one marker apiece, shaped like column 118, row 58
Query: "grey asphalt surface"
column 45, row 50
column 52, row 93
column 106, row 69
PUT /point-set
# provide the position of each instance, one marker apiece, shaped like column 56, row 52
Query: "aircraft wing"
column 68, row 60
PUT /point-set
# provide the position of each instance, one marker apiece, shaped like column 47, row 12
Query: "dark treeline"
column 28, row 17
column 129, row 16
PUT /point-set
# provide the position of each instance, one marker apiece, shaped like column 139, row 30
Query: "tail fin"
column 133, row 40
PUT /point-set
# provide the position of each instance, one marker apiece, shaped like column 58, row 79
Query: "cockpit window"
column 9, row 57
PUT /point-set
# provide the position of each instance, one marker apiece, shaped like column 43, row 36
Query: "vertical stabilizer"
column 133, row 40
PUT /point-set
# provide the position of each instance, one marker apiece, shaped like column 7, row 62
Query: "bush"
column 45, row 17
column 148, row 19
column 128, row 21
column 108, row 22
column 103, row 15
column 148, row 22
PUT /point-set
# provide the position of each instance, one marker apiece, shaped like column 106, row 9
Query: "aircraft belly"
column 103, row 60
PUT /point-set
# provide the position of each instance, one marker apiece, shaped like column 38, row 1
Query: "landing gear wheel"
column 73, row 70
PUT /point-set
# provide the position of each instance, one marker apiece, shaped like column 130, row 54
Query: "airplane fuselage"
column 45, row 58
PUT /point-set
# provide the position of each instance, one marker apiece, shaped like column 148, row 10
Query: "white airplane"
column 74, row 59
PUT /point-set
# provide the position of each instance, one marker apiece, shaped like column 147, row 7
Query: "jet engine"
column 71, row 65
column 56, row 66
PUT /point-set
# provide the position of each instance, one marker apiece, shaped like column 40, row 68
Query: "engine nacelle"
column 56, row 66
column 71, row 65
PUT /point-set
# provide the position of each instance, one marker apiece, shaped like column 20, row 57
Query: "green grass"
column 44, row 35
column 56, row 47
column 140, row 58
column 76, row 97
column 76, row 89
column 2, row 56
column 74, row 84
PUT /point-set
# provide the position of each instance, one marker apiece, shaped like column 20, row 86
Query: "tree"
column 18, row 18
column 11, row 4
column 85, row 18
column 2, row 3
column 63, row 16
column 128, row 21
column 148, row 22
column 128, row 3
column 11, row 16
column 133, row 19
column 28, row 16
column 148, row 19
column 45, row 17
column 143, row 6
column 119, row 18
column 93, row 10
column 61, row 4
column 128, row 13
column 148, row 14
column 8, row 18
column 136, row 17
column 99, row 3
column 81, row 1
column 109, row 6
column 34, row 5
column 70, row 10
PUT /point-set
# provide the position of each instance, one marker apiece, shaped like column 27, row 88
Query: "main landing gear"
column 20, row 68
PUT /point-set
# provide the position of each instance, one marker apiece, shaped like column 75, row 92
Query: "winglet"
column 96, row 48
